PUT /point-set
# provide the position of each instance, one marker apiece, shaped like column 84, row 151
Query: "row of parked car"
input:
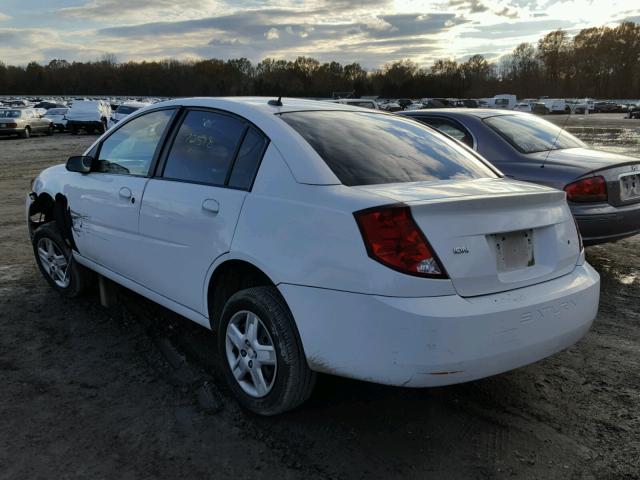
column 417, row 249
column 539, row 106
column 91, row 116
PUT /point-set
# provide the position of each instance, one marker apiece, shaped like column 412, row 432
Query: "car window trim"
column 158, row 149
column 168, row 145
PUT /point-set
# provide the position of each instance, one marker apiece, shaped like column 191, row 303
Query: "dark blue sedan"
column 603, row 189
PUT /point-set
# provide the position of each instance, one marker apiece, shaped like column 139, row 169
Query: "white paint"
column 356, row 317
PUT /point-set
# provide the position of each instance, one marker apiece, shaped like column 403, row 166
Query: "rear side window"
column 248, row 160
column 363, row 148
column 453, row 129
column 204, row 148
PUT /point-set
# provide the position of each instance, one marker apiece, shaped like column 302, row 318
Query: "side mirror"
column 80, row 163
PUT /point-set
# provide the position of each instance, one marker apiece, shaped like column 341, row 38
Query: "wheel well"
column 43, row 205
column 45, row 209
column 228, row 278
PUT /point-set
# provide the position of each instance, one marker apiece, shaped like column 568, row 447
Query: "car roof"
column 258, row 111
column 261, row 104
column 471, row 112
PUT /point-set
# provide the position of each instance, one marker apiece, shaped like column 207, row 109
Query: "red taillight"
column 592, row 189
column 393, row 239
column 12, row 125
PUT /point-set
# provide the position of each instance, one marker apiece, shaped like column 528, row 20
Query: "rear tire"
column 287, row 380
column 26, row 133
column 56, row 263
column 50, row 130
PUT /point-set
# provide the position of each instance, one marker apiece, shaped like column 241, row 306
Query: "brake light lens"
column 592, row 189
column 392, row 238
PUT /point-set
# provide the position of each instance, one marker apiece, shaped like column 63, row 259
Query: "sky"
column 370, row 32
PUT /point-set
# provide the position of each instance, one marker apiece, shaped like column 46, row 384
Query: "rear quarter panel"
column 307, row 235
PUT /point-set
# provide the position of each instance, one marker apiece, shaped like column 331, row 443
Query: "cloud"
column 507, row 12
column 516, row 29
column 4, row 16
column 139, row 10
column 472, row 6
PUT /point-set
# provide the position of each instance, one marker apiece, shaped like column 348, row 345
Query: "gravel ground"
column 135, row 391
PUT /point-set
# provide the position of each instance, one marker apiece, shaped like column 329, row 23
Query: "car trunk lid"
column 492, row 235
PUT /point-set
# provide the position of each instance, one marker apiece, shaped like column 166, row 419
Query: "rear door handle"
column 211, row 205
column 125, row 192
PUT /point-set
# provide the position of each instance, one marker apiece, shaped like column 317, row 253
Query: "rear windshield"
column 126, row 110
column 10, row 113
column 530, row 134
column 57, row 111
column 363, row 148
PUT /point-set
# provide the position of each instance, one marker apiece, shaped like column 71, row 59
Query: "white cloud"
column 273, row 34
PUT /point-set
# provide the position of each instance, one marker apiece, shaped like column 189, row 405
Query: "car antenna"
column 276, row 103
column 556, row 140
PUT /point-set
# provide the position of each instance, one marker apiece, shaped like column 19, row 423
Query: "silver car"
column 24, row 122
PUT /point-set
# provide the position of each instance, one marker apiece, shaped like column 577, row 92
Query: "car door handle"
column 210, row 205
column 125, row 193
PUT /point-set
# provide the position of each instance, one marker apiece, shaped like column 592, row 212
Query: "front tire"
column 56, row 263
column 261, row 353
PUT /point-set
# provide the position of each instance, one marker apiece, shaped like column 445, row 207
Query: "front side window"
column 530, row 134
column 204, row 148
column 131, row 148
column 363, row 148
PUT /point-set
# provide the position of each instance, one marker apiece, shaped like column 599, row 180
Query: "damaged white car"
column 318, row 237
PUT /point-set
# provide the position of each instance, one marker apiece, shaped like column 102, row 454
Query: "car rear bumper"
column 430, row 341
column 84, row 124
column 607, row 227
column 11, row 131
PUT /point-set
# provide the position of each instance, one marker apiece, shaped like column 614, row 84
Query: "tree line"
column 601, row 62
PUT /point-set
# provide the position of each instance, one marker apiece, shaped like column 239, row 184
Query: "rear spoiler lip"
column 611, row 167
column 550, row 194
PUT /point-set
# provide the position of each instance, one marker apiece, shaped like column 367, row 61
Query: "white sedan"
column 319, row 237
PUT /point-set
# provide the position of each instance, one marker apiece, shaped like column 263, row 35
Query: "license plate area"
column 629, row 186
column 514, row 250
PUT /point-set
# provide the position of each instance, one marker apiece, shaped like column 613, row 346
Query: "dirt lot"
column 134, row 392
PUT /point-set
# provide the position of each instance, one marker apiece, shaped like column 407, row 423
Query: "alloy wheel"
column 251, row 354
column 54, row 262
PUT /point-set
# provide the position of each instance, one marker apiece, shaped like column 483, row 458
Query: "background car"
column 123, row 110
column 357, row 102
column 58, row 117
column 88, row 115
column 23, row 122
column 319, row 237
column 603, row 189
